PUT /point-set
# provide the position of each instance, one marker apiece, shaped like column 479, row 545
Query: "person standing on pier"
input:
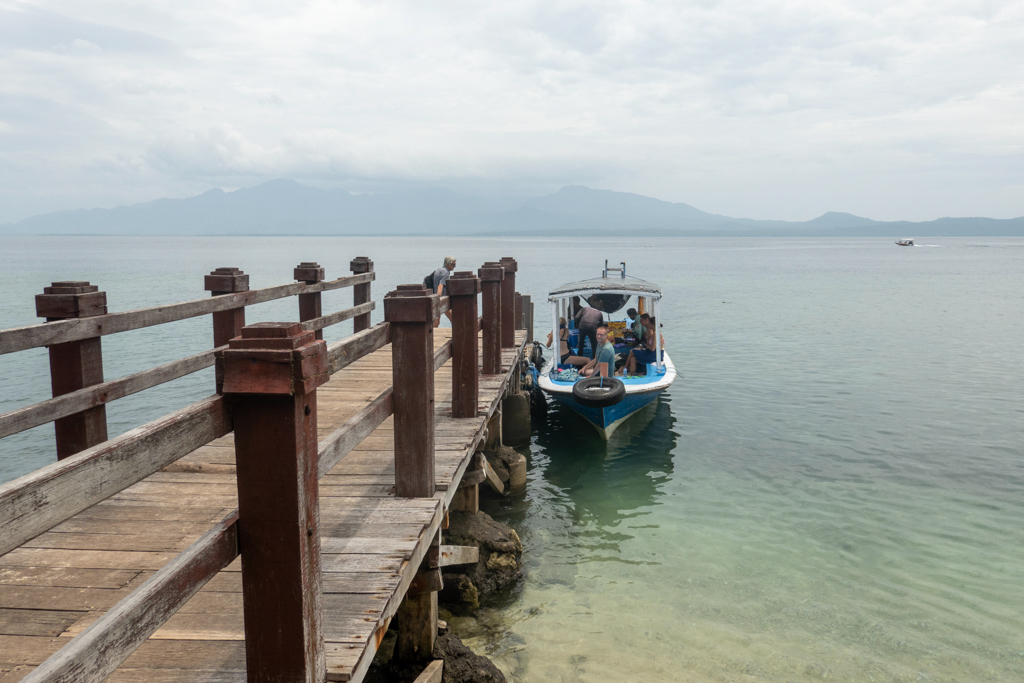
column 440, row 287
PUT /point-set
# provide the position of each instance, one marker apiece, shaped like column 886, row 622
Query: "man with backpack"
column 437, row 282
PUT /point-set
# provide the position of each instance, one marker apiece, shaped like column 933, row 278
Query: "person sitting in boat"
column 565, row 355
column 635, row 326
column 645, row 353
column 604, row 356
column 587, row 321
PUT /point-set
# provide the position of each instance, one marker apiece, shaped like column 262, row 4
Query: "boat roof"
column 629, row 286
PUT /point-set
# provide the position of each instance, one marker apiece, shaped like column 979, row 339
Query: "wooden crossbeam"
column 61, row 331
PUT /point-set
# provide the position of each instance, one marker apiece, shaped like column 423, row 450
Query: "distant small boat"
column 905, row 243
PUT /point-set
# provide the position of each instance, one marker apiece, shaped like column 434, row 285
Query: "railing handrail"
column 100, row 394
column 40, row 413
column 60, row 331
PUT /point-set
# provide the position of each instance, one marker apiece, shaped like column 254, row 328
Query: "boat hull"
column 607, row 420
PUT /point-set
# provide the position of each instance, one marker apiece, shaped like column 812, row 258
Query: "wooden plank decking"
column 58, row 583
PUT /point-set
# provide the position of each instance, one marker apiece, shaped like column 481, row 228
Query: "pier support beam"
column 361, row 293
column 508, row 303
column 76, row 364
column 271, row 371
column 491, row 277
column 310, row 306
column 462, row 290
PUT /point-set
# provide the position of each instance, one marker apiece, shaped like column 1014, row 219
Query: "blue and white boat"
column 606, row 402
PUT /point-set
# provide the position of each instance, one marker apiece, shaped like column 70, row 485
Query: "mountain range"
column 283, row 207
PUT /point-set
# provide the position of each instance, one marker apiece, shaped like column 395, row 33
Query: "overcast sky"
column 759, row 109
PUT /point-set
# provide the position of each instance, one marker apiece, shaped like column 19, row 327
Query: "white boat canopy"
column 628, row 286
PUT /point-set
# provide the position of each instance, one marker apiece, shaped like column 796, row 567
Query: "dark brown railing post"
column 272, row 371
column 227, row 324
column 75, row 364
column 491, row 276
column 462, row 290
column 309, row 304
column 361, row 293
column 520, row 321
column 410, row 312
column 508, row 302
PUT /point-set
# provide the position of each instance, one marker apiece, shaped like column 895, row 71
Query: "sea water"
column 832, row 490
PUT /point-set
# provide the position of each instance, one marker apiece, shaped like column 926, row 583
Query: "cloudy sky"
column 763, row 109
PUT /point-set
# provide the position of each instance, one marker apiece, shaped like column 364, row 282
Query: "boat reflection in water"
column 585, row 493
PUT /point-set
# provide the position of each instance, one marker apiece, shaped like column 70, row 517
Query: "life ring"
column 598, row 392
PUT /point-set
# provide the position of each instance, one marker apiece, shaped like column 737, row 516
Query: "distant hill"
column 280, row 207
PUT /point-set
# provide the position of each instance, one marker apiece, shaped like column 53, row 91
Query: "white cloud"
column 776, row 109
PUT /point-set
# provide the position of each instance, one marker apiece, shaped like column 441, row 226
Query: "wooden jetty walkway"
column 274, row 530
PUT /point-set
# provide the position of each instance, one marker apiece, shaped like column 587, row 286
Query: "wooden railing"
column 257, row 365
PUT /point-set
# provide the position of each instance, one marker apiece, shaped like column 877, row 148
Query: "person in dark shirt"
column 587, row 321
column 441, row 276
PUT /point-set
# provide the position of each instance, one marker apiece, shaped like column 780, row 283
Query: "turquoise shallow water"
column 834, row 489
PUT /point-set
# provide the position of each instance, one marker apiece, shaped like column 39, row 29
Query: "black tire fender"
column 598, row 392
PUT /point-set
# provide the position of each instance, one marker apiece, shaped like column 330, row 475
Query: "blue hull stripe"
column 602, row 418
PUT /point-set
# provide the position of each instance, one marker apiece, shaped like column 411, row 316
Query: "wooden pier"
column 274, row 530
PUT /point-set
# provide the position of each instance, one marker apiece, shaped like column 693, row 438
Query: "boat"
column 905, row 243
column 606, row 402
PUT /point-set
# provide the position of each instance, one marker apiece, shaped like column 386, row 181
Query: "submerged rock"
column 461, row 665
column 501, row 555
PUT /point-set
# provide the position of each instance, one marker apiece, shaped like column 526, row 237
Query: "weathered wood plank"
column 442, row 355
column 85, row 559
column 492, row 478
column 107, row 541
column 459, row 554
column 108, row 641
column 100, row 394
column 431, row 674
column 51, row 598
column 323, row 321
column 27, row 650
column 61, row 331
column 66, row 577
column 358, row 427
column 191, row 655
column 34, row 503
column 36, row 622
column 347, row 351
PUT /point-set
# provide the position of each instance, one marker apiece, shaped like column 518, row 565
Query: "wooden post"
column 508, row 303
column 528, row 317
column 520, row 321
column 272, row 371
column 227, row 324
column 462, row 290
column 411, row 311
column 467, row 496
column 309, row 304
column 361, row 293
column 491, row 277
column 75, row 364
